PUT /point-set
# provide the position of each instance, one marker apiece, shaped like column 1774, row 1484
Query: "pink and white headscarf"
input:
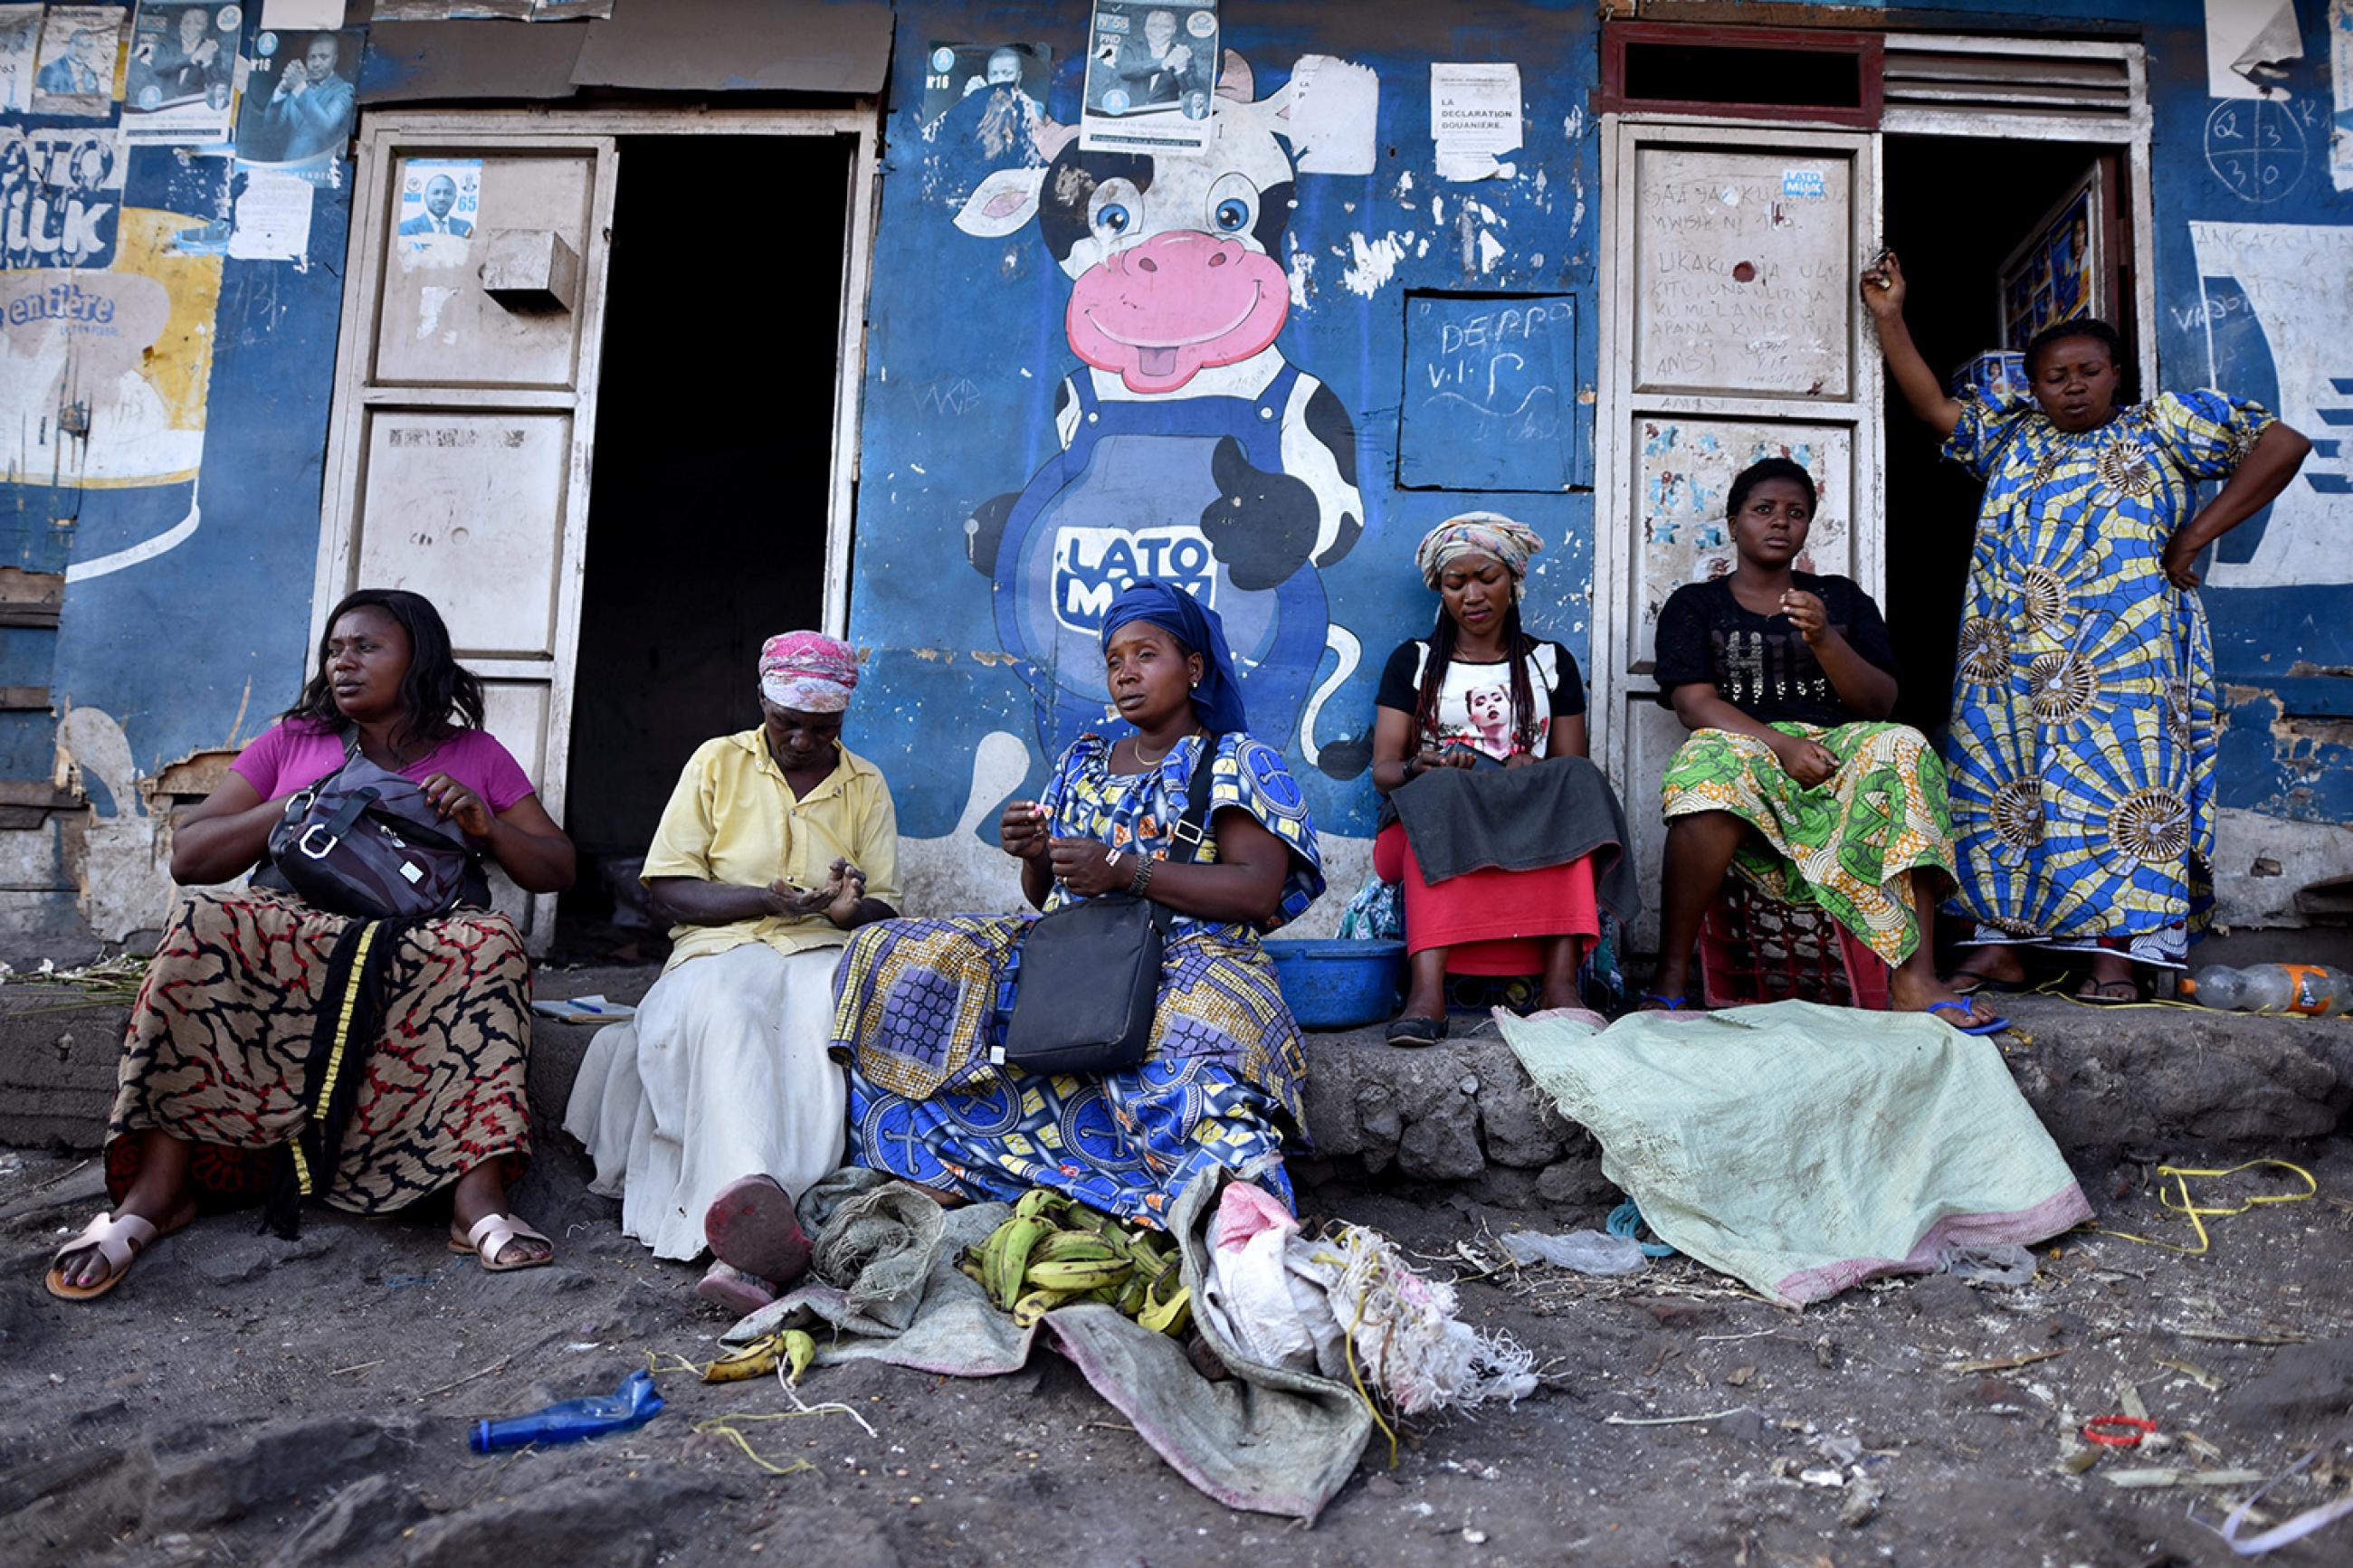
column 809, row 672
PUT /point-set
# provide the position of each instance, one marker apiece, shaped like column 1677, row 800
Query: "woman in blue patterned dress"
column 2082, row 742
column 920, row 1004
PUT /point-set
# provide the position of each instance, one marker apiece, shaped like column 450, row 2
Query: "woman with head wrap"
column 923, row 1002
column 1791, row 777
column 1498, row 864
column 717, row 1106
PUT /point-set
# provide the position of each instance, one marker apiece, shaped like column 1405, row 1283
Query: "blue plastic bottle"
column 625, row 1409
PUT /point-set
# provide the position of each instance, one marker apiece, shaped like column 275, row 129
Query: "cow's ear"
column 1236, row 82
column 1005, row 201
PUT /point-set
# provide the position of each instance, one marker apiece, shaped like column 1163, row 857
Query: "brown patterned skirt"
column 218, row 1047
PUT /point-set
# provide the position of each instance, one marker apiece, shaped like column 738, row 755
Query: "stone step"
column 2109, row 1083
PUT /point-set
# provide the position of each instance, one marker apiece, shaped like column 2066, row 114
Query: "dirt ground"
column 247, row 1401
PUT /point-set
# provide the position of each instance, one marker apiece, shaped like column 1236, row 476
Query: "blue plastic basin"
column 1332, row 985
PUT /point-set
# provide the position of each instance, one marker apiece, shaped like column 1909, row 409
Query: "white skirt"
column 722, row 1074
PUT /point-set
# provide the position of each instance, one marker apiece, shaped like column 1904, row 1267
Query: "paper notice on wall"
column 20, row 37
column 273, row 216
column 1152, row 78
column 326, row 13
column 80, row 47
column 1475, row 118
column 181, row 78
column 2340, row 71
column 1335, row 106
column 2246, row 40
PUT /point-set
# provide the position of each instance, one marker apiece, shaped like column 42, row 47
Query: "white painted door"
column 1730, row 331
column 457, row 460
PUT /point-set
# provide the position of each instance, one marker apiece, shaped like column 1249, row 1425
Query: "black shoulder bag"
column 1091, row 970
column 365, row 842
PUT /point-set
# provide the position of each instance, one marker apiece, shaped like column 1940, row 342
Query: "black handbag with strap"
column 1091, row 970
column 366, row 842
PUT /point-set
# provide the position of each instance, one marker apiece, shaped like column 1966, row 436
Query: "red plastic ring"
column 2117, row 1431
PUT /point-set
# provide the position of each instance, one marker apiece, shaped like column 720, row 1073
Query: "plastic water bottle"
column 2314, row 989
column 625, row 1409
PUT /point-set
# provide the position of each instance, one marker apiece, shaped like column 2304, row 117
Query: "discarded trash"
column 2193, row 1371
column 2183, row 1477
column 1586, row 1251
column 1823, row 1477
column 2280, row 1535
column 2199, row 1217
column 625, row 1409
column 2006, row 1364
column 2008, row 1264
column 2117, row 1431
column 585, row 1010
column 2313, row 989
column 1862, row 1496
column 1625, row 1220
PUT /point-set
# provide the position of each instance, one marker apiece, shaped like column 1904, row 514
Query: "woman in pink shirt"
column 212, row 1099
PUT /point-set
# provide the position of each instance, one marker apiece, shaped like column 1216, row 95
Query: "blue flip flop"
column 1991, row 1027
column 1667, row 1004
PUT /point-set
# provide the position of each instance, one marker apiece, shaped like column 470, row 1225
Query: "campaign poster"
column 81, row 46
column 20, row 43
column 300, row 96
column 181, row 81
column 1152, row 78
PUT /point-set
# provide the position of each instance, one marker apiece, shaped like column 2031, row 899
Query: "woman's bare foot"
column 2114, row 979
column 1990, row 963
column 1907, row 993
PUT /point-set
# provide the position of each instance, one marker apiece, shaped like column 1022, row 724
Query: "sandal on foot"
column 2103, row 993
column 1990, row 1026
column 120, row 1239
column 751, row 1224
column 727, row 1286
column 488, row 1239
column 1665, row 1004
column 1981, row 980
column 1409, row 1030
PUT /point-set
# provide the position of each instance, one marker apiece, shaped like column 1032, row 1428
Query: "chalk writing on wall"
column 1741, row 288
column 2309, row 330
column 2255, row 148
column 1489, row 401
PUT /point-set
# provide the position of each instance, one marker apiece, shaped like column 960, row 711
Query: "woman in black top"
column 1499, row 865
column 1790, row 776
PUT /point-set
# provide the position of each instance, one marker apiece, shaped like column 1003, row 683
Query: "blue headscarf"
column 1218, row 698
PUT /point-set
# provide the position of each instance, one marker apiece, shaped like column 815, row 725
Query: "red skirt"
column 1492, row 921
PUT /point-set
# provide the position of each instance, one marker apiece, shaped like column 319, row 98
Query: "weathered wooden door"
column 1730, row 331
column 458, row 460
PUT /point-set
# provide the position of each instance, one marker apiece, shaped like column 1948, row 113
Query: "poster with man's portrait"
column 20, row 47
column 300, row 96
column 982, row 107
column 181, row 79
column 1152, row 78
column 81, row 46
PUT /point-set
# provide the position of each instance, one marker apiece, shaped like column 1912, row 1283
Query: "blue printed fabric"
column 2083, row 743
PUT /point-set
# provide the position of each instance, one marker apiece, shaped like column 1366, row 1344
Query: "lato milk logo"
column 1093, row 565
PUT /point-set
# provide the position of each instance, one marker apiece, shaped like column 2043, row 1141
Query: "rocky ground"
column 244, row 1400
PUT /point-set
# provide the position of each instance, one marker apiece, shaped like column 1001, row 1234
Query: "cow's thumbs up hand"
column 1262, row 526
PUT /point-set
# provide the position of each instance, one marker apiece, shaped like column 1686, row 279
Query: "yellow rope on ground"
column 2199, row 1217
column 725, row 1426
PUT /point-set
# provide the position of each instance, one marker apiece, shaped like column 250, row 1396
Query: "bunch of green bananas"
column 1054, row 1251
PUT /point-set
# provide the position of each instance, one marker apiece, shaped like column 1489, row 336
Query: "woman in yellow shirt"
column 776, row 844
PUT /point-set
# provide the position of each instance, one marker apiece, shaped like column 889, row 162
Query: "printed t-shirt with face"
column 1761, row 664
column 1474, row 704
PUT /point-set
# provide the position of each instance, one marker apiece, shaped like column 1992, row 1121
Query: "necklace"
column 1135, row 745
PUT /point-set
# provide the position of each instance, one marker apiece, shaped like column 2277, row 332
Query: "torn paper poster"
column 282, row 13
column 180, row 78
column 20, row 37
column 1152, row 78
column 1335, row 106
column 2246, row 43
column 273, row 216
column 1475, row 118
column 81, row 46
column 60, row 196
column 2340, row 71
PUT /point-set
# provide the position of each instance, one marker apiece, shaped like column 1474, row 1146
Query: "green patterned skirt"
column 1847, row 845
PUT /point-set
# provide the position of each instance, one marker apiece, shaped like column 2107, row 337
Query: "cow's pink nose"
column 1145, row 264
column 1217, row 258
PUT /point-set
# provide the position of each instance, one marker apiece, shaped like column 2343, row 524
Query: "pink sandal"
column 119, row 1239
column 488, row 1239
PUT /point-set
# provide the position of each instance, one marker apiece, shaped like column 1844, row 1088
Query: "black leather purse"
column 1091, row 970
column 365, row 842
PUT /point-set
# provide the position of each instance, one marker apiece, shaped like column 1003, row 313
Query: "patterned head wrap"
column 1217, row 700
column 809, row 672
column 1479, row 533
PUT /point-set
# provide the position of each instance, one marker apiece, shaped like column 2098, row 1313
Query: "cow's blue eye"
column 1114, row 217
column 1234, row 215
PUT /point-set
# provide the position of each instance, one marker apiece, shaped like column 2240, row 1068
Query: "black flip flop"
column 2096, row 1000
column 1412, row 1031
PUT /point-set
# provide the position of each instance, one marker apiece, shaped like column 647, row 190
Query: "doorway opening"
column 1958, row 212
column 708, row 504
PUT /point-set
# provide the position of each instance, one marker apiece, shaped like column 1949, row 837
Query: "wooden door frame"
column 384, row 139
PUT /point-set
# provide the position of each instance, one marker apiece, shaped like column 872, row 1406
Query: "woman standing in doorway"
column 2082, row 742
